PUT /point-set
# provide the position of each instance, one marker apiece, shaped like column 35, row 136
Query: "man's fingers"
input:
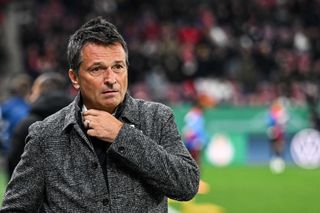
column 86, row 123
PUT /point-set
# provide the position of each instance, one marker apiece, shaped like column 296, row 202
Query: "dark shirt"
column 101, row 147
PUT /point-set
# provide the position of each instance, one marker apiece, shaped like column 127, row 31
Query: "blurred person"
column 14, row 108
column 2, row 126
column 277, row 119
column 194, row 131
column 311, row 91
column 48, row 95
column 195, row 136
column 106, row 151
column 315, row 119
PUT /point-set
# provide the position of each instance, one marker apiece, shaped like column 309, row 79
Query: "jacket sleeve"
column 24, row 192
column 164, row 163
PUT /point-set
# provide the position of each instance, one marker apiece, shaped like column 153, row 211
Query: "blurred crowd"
column 237, row 52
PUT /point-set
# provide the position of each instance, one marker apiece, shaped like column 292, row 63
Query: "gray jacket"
column 60, row 172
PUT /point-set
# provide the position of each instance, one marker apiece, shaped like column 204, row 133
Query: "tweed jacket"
column 147, row 163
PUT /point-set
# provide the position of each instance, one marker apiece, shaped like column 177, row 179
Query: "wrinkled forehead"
column 117, row 47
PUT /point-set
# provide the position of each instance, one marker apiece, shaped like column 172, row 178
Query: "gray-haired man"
column 105, row 152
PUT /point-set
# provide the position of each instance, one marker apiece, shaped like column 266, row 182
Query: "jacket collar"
column 131, row 111
column 72, row 113
column 128, row 111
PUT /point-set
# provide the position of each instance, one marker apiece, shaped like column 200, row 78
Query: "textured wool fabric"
column 147, row 163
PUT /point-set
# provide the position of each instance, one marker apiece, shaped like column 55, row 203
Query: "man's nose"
column 109, row 77
column 110, row 81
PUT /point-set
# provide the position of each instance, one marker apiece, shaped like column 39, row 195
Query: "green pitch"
column 254, row 189
column 3, row 182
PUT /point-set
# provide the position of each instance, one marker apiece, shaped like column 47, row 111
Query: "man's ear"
column 74, row 79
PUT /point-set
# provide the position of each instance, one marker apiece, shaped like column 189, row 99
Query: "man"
column 277, row 118
column 48, row 95
column 105, row 152
column 195, row 136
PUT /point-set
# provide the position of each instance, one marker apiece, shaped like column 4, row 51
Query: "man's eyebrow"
column 97, row 64
column 119, row 62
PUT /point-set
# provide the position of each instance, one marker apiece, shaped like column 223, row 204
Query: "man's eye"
column 117, row 68
column 96, row 70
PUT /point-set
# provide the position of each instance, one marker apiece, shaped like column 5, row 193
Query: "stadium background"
column 239, row 55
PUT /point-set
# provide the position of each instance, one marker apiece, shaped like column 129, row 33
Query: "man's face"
column 102, row 77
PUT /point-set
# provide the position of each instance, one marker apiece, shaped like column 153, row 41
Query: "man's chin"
column 108, row 106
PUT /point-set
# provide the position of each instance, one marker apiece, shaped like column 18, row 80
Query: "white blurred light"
column 301, row 42
column 218, row 36
column 220, row 151
column 305, row 148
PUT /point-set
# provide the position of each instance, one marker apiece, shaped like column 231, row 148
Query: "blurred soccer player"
column 276, row 121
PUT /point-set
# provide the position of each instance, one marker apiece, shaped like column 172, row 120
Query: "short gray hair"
column 97, row 31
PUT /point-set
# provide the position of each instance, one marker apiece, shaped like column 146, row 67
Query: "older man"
column 105, row 152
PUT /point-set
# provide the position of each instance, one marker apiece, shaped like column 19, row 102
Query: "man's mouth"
column 109, row 92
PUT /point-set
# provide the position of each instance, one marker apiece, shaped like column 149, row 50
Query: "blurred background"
column 248, row 63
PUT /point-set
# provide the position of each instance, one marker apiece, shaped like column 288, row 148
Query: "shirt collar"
column 84, row 108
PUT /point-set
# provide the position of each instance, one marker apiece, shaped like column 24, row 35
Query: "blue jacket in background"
column 12, row 111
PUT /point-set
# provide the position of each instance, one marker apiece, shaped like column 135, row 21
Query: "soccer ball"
column 277, row 165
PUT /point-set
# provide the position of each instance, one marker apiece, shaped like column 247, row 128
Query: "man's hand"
column 101, row 124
